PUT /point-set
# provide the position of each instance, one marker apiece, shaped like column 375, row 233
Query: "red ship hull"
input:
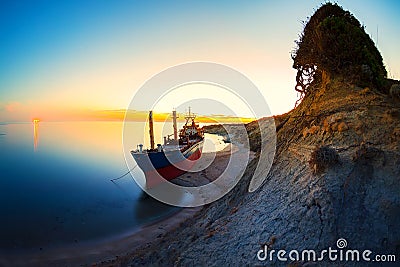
column 170, row 172
column 154, row 176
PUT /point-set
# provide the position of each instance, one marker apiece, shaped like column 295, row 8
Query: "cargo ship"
column 175, row 157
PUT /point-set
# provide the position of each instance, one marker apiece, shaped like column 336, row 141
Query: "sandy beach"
column 137, row 255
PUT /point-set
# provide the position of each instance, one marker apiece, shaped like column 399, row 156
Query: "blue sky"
column 63, row 58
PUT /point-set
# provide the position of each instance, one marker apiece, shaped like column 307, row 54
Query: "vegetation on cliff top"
column 335, row 44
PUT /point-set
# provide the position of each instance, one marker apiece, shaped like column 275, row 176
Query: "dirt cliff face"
column 355, row 197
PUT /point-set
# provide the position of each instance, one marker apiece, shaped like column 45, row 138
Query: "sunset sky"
column 64, row 60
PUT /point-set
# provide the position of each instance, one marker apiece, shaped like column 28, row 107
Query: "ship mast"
column 151, row 130
column 175, row 125
column 190, row 116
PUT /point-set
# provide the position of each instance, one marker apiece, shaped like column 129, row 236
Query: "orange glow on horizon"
column 127, row 115
column 142, row 116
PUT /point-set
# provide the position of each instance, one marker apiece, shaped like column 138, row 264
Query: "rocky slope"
column 303, row 205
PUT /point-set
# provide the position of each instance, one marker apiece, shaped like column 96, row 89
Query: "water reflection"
column 62, row 192
column 35, row 134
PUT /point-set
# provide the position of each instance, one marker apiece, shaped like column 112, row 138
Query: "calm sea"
column 55, row 186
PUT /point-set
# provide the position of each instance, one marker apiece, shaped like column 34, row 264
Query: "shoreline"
column 149, row 253
column 139, row 255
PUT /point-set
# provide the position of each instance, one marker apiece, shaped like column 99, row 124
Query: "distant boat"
column 175, row 157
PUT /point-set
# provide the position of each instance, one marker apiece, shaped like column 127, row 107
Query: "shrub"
column 323, row 157
column 335, row 44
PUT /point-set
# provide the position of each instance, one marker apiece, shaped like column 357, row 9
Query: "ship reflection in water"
column 148, row 209
column 35, row 134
